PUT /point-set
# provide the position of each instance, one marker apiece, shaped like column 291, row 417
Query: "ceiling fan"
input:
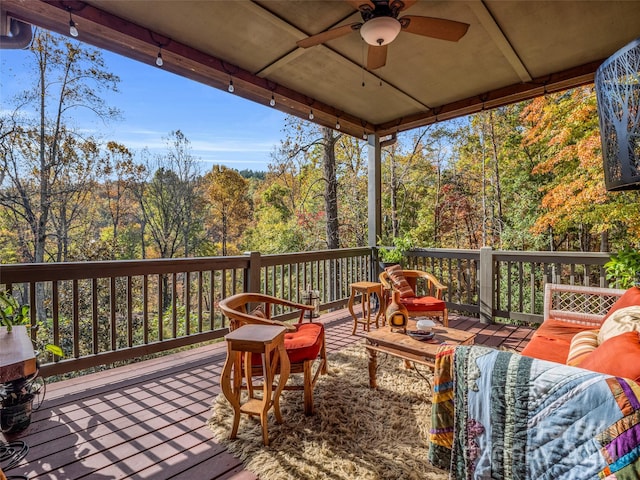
column 381, row 25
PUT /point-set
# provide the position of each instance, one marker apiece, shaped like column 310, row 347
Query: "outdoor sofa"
column 499, row 414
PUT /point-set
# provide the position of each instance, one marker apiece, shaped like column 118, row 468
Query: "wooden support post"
column 486, row 276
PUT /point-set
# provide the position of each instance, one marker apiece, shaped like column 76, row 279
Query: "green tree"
column 228, row 195
column 352, row 192
column 119, row 173
column 46, row 162
column 171, row 209
column 297, row 168
column 329, row 141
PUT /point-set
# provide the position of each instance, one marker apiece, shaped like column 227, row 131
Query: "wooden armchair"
column 304, row 342
column 428, row 304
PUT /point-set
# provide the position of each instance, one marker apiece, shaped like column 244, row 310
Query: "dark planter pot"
column 16, row 418
column 18, row 398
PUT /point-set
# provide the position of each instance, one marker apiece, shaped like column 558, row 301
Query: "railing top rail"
column 444, row 253
column 597, row 258
column 27, row 272
column 301, row 257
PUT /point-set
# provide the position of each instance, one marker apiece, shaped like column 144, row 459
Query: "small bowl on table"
column 425, row 325
column 424, row 330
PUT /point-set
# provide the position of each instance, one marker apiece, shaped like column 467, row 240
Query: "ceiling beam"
column 497, row 35
column 556, row 82
column 274, row 66
column 110, row 32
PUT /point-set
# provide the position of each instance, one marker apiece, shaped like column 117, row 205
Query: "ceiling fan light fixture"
column 380, row 30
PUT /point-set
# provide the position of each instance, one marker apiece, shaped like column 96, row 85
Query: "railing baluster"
column 174, row 305
column 272, row 290
column 145, row 309
column 200, row 303
column 187, row 303
column 532, row 288
column 160, row 303
column 112, row 313
column 55, row 304
column 129, row 312
column 76, row 319
column 94, row 315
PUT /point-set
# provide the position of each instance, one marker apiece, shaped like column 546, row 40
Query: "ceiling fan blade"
column 434, row 27
column 358, row 4
column 376, row 57
column 328, row 35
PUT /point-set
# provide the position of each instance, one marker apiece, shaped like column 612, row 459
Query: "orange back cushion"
column 629, row 298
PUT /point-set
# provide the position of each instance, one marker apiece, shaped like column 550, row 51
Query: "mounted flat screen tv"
column 617, row 85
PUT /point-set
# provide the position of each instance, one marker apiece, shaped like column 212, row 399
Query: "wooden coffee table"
column 409, row 349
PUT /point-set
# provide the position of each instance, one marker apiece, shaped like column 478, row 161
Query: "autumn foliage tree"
column 526, row 176
column 227, row 193
column 47, row 162
column 576, row 206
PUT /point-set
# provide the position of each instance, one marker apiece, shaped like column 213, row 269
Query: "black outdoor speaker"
column 618, row 90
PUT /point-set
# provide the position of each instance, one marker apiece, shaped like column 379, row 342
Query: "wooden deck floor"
column 148, row 420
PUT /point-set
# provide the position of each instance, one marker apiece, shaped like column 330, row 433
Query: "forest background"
column 526, row 176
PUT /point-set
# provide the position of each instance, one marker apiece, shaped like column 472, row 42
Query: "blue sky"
column 222, row 128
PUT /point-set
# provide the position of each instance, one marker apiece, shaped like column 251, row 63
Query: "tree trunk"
column 331, row 188
column 394, row 199
column 496, row 172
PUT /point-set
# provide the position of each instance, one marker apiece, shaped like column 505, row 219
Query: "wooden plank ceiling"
column 513, row 50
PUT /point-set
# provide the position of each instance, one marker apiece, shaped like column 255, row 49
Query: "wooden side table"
column 366, row 289
column 268, row 341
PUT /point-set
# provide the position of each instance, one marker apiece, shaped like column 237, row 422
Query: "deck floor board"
column 147, row 420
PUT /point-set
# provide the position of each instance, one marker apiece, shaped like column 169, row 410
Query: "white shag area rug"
column 355, row 433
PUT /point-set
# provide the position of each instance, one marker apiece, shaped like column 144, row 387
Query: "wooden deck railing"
column 507, row 284
column 103, row 312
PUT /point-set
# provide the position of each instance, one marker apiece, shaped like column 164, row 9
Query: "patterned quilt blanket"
column 500, row 415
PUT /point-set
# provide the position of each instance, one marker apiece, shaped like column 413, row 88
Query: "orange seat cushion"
column 552, row 340
column 305, row 342
column 618, row 356
column 423, row 304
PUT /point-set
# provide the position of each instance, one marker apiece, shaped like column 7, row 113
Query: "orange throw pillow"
column 399, row 281
column 619, row 356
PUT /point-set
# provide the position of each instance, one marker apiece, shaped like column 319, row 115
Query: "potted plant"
column 17, row 396
column 395, row 254
column 11, row 312
column 624, row 267
column 18, row 399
